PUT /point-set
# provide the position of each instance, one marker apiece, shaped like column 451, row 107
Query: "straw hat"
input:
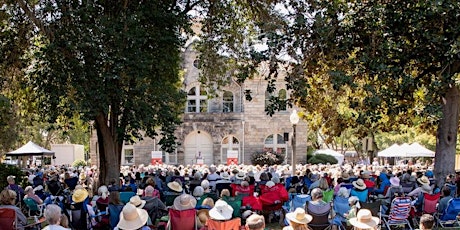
column 221, row 211
column 345, row 176
column 132, row 218
column 184, row 202
column 203, row 215
column 225, row 176
column 175, row 186
column 359, row 184
column 299, row 216
column 240, row 175
column 79, row 195
column 364, row 220
column 82, row 176
column 395, row 181
column 423, row 180
column 136, row 201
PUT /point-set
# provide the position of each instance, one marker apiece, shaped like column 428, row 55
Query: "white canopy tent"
column 417, row 150
column 406, row 150
column 31, row 149
column 340, row 157
column 392, row 151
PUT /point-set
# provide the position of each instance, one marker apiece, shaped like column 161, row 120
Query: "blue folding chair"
column 448, row 218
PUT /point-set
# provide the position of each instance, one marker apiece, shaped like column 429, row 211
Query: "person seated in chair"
column 8, row 200
column 446, row 196
column 317, row 197
column 298, row 220
column 17, row 188
column 426, row 222
column 395, row 190
column 133, row 218
column 255, row 222
column 53, row 217
column 364, row 220
column 360, row 190
column 30, row 193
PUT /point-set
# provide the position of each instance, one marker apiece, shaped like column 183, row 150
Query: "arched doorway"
column 198, row 144
column 229, row 142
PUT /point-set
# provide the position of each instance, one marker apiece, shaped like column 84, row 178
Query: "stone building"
column 212, row 127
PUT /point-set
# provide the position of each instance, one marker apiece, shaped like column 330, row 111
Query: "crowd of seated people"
column 270, row 192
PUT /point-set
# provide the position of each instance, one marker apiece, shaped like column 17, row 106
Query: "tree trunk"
column 446, row 139
column 109, row 152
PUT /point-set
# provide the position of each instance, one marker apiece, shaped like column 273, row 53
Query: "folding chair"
column 429, row 204
column 125, row 196
column 320, row 214
column 182, row 220
column 33, row 208
column 235, row 203
column 449, row 217
column 8, row 220
column 114, row 214
column 328, row 195
column 79, row 218
column 222, row 186
column 399, row 212
column 340, row 207
column 169, row 199
column 374, row 207
column 233, row 224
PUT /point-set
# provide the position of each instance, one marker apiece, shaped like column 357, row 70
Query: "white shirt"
column 55, row 227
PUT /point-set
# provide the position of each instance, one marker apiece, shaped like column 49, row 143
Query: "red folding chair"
column 7, row 218
column 182, row 220
column 233, row 224
column 429, row 203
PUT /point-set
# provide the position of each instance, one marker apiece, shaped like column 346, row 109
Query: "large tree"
column 116, row 63
column 387, row 62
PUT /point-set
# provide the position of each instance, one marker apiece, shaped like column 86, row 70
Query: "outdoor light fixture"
column 294, row 118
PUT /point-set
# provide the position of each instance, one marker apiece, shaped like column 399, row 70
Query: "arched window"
column 282, row 97
column 275, row 143
column 197, row 100
column 227, row 102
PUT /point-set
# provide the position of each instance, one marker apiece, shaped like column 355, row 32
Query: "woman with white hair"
column 341, row 206
column 53, row 217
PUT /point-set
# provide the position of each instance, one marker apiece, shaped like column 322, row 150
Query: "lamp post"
column 294, row 118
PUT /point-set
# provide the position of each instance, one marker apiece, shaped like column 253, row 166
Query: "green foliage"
column 79, row 163
column 7, row 170
column 322, row 159
column 266, row 158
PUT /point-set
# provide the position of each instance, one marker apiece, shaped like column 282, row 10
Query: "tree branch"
column 33, row 18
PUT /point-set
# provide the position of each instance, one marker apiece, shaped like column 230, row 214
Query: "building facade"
column 214, row 126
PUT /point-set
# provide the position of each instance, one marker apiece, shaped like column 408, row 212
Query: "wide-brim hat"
column 240, row 175
column 175, row 186
column 82, row 176
column 79, row 195
column 395, row 181
column 225, row 176
column 364, row 220
column 345, row 176
column 221, row 211
column 423, row 180
column 132, row 218
column 184, row 202
column 359, row 184
column 136, row 201
column 299, row 216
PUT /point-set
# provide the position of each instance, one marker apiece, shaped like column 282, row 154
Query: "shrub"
column 267, row 158
column 79, row 163
column 322, row 159
column 6, row 170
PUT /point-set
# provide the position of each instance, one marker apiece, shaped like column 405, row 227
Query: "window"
column 275, row 143
column 227, row 102
column 128, row 156
column 197, row 100
column 282, row 97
